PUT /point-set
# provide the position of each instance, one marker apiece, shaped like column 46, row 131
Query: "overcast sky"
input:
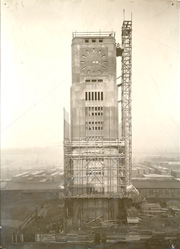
column 36, row 68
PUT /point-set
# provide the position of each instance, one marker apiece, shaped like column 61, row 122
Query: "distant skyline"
column 36, row 68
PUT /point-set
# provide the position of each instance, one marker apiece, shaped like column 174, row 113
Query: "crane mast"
column 126, row 69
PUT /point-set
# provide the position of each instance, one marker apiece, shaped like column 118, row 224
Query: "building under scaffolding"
column 97, row 154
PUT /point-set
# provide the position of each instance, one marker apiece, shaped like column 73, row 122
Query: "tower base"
column 92, row 212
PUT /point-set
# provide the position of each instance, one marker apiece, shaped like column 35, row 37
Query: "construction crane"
column 125, row 51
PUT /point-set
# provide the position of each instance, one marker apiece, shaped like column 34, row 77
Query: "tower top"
column 93, row 34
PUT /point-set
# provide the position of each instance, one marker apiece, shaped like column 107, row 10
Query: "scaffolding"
column 94, row 179
column 126, row 96
column 94, row 169
column 95, row 186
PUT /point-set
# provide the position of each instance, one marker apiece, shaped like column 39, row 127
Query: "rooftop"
column 154, row 176
column 155, row 183
column 35, row 186
column 94, row 34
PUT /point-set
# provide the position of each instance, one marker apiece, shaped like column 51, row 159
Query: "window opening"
column 98, row 95
column 101, row 95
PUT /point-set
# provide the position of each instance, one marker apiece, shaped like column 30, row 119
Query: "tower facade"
column 94, row 95
column 94, row 155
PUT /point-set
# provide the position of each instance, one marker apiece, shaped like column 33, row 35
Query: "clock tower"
column 94, row 168
column 94, row 103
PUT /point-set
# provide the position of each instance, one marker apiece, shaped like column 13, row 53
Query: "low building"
column 158, row 188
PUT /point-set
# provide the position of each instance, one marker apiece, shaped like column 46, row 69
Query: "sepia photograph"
column 90, row 124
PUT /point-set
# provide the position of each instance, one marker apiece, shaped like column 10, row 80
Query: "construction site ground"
column 154, row 221
column 152, row 217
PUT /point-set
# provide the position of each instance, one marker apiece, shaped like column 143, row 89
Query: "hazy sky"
column 36, row 68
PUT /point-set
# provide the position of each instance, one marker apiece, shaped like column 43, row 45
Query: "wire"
column 28, row 110
column 157, row 41
column 158, row 92
column 158, row 117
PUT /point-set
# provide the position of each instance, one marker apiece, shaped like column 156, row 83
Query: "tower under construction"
column 97, row 150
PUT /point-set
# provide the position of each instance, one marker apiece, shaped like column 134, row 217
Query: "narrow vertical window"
column 89, row 96
column 95, row 95
column 86, row 95
column 92, row 95
column 101, row 95
column 98, row 95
